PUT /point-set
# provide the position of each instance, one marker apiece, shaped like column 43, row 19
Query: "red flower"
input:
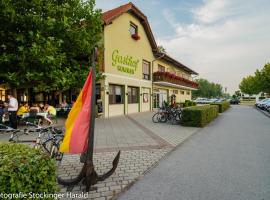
column 135, row 36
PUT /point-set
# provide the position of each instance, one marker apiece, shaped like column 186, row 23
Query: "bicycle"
column 165, row 114
column 49, row 139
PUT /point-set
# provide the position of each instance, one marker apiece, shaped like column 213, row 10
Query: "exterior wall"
column 133, row 108
column 118, row 42
column 146, row 106
column 117, row 38
column 170, row 90
column 113, row 110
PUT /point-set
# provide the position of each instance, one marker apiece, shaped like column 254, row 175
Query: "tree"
column 263, row 78
column 249, row 85
column 207, row 89
column 47, row 43
column 237, row 93
column 161, row 49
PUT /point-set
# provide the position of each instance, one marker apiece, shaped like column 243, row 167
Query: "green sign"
column 126, row 63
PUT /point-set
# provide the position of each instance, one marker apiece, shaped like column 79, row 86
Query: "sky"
column 222, row 40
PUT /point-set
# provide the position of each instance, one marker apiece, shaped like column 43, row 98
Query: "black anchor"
column 88, row 174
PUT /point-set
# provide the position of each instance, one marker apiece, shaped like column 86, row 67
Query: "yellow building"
column 137, row 76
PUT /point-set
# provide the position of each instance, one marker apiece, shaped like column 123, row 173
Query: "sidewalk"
column 142, row 144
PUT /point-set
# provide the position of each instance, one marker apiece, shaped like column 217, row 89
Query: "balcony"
column 169, row 79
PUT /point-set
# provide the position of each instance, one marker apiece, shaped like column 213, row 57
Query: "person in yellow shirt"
column 51, row 112
column 23, row 109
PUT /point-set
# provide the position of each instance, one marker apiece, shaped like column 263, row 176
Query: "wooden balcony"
column 169, row 79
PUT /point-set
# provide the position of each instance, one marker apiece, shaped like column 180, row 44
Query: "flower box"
column 135, row 36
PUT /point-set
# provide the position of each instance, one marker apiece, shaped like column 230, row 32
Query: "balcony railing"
column 174, row 79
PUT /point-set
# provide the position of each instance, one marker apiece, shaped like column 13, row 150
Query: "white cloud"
column 225, row 42
column 211, row 11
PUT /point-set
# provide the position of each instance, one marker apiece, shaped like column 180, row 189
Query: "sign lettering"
column 126, row 64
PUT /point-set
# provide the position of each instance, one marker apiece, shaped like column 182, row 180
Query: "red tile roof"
column 109, row 15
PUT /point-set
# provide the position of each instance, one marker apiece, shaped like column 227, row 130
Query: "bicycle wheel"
column 155, row 118
column 48, row 145
column 175, row 118
column 163, row 117
column 52, row 146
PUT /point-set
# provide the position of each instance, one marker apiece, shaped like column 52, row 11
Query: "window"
column 182, row 92
column 161, row 68
column 116, row 94
column 133, row 95
column 175, row 91
column 133, row 29
column 188, row 92
column 146, row 70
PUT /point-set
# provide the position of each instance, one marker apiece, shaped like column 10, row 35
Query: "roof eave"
column 173, row 61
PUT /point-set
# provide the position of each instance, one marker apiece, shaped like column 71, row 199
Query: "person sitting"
column 23, row 109
column 51, row 112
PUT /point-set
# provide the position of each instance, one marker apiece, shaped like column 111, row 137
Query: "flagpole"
column 91, row 132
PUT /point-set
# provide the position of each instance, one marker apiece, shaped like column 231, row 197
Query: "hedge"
column 248, row 98
column 24, row 169
column 199, row 116
column 189, row 103
column 222, row 106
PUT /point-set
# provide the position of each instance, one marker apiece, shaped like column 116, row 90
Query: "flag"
column 78, row 122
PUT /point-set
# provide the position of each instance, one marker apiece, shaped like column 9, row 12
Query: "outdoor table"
column 41, row 114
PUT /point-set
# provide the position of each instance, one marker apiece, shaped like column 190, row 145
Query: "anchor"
column 88, row 175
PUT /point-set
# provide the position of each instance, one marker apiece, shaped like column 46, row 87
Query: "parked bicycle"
column 47, row 138
column 168, row 114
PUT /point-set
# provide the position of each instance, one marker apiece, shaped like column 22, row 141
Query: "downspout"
column 152, row 93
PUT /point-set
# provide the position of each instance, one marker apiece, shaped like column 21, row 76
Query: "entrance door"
column 159, row 98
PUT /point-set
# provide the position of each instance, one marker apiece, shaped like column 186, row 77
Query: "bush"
column 248, row 98
column 189, row 103
column 222, row 106
column 24, row 169
column 199, row 116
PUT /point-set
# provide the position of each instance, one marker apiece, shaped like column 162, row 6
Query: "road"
column 227, row 160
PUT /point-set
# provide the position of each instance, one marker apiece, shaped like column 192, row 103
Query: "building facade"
column 138, row 77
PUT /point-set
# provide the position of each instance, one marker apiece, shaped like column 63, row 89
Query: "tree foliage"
column 161, row 49
column 207, row 89
column 263, row 77
column 259, row 82
column 237, row 93
column 47, row 43
column 249, row 85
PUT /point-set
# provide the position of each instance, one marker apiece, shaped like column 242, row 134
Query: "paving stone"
column 103, row 189
column 141, row 149
column 100, row 198
column 116, row 187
